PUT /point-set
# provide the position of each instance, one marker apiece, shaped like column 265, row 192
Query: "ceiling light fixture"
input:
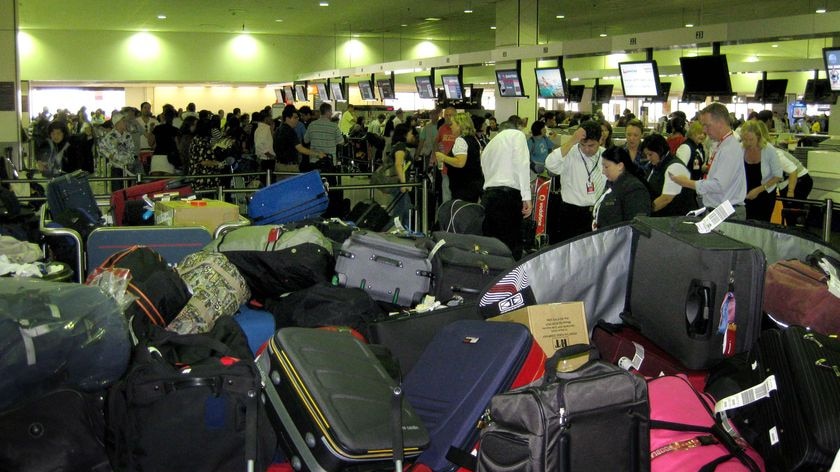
column 821, row 10
column 468, row 10
column 560, row 17
column 689, row 25
column 603, row 35
column 431, row 18
column 161, row 17
column 403, row 25
column 492, row 27
column 774, row 46
column 278, row 20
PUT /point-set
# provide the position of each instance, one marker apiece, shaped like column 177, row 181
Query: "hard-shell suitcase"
column 391, row 269
column 407, row 335
column 797, row 293
column 295, row 198
column 452, row 383
column 72, row 191
column 153, row 189
column 627, row 348
column 682, row 283
column 466, row 263
column 173, row 243
column 798, row 427
column 330, row 401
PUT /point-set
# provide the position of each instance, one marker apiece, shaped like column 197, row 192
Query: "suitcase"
column 627, row 348
column 330, row 401
column 798, row 426
column 679, row 281
column 407, row 334
column 461, row 216
column 72, row 192
column 258, row 326
column 173, row 243
column 150, row 189
column 465, row 264
column 295, row 198
column 451, row 385
column 373, row 216
column 797, row 293
column 391, row 269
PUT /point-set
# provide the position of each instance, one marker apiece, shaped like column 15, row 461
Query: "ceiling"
column 399, row 18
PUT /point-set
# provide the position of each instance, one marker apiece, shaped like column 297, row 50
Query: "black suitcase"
column 465, row 264
column 461, row 216
column 330, row 400
column 679, row 280
column 72, row 192
column 798, row 427
column 407, row 335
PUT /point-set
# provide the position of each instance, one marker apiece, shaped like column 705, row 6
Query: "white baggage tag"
column 715, row 218
column 747, row 396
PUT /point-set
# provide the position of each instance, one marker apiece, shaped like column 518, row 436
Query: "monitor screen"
column 476, row 94
column 692, row 97
column 706, row 75
column 386, row 90
column 425, row 88
column 831, row 56
column 818, row 91
column 278, row 94
column 639, row 79
column 509, row 83
column 771, row 90
column 300, row 92
column 603, row 93
column 288, row 94
column 322, row 91
column 664, row 92
column 366, row 90
column 337, row 92
column 575, row 93
column 452, row 87
column 551, row 82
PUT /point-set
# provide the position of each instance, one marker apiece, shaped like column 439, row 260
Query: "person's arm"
column 399, row 168
column 683, row 181
column 308, row 152
column 662, row 201
column 580, row 133
column 307, row 137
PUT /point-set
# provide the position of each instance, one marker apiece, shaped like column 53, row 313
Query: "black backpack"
column 188, row 403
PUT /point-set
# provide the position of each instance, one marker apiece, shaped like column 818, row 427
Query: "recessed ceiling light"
column 278, row 20
column 468, row 10
column 689, row 25
column 774, row 46
column 603, row 35
column 560, row 17
column 161, row 17
column 492, row 27
column 821, row 10
column 432, row 18
column 403, row 25
column 324, row 4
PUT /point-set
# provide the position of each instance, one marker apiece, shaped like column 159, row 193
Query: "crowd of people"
column 694, row 163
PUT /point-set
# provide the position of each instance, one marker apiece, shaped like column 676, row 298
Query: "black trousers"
column 570, row 221
column 503, row 217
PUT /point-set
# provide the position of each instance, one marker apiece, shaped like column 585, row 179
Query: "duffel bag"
column 272, row 273
column 268, row 238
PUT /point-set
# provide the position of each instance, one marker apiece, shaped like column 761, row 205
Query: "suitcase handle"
column 553, row 362
column 386, row 260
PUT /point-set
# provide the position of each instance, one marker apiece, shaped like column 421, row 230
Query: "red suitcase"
column 137, row 192
column 626, row 347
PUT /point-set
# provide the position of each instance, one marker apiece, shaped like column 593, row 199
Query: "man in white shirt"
column 507, row 185
column 578, row 162
column 264, row 143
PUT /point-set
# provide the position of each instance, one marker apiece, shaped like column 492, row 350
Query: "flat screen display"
column 603, row 93
column 771, row 90
column 818, row 91
column 575, row 93
column 551, row 82
column 278, row 93
column 706, row 75
column 831, row 56
column 509, row 83
column 337, row 92
column 300, row 92
column 288, row 94
column 664, row 92
column 366, row 90
column 452, row 87
column 425, row 88
column 386, row 90
column 322, row 91
column 639, row 79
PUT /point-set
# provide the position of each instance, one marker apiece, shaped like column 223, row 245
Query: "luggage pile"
column 316, row 345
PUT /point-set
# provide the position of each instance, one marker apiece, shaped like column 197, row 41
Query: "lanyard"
column 588, row 170
column 714, row 154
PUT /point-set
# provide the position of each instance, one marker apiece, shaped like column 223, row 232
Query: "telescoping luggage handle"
column 574, row 350
column 396, row 428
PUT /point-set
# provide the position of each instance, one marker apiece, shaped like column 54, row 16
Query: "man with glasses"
column 578, row 162
column 287, row 146
column 726, row 179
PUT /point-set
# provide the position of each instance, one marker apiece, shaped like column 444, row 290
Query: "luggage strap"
column 718, row 435
column 461, row 458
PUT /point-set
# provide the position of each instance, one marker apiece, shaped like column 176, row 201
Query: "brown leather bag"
column 797, row 293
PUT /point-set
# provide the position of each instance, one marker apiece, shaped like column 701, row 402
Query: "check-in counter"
column 824, row 167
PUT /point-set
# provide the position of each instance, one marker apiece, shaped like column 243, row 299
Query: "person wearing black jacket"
column 625, row 195
column 669, row 199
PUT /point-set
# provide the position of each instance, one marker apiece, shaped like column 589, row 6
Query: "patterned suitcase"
column 391, row 269
column 295, row 198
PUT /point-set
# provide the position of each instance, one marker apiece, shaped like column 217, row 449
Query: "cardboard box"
column 207, row 213
column 554, row 326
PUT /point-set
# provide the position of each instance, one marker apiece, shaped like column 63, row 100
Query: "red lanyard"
column 712, row 159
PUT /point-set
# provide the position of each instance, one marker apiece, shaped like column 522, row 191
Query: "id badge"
column 696, row 165
column 590, row 187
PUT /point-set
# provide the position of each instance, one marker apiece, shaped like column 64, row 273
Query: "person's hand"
column 405, row 189
column 680, row 180
column 580, row 135
column 527, row 207
column 754, row 193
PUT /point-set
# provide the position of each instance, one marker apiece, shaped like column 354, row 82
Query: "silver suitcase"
column 390, row 269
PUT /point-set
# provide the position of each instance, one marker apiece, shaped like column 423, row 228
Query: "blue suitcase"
column 452, row 383
column 173, row 243
column 73, row 191
column 292, row 199
column 258, row 325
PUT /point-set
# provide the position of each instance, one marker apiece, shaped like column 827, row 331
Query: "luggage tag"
column 590, row 187
column 727, row 327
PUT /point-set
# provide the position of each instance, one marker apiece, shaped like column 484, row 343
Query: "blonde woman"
column 763, row 171
column 463, row 163
column 692, row 153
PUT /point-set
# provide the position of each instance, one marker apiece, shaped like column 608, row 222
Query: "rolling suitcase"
column 137, row 192
column 466, row 263
column 331, row 401
column 295, row 198
column 461, row 216
column 682, row 283
column 798, row 427
column 466, row 363
column 389, row 268
column 173, row 243
column 72, row 192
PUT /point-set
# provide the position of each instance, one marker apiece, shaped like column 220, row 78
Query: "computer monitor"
column 337, row 92
column 771, row 90
column 386, row 89
column 322, row 91
column 831, row 57
column 639, row 78
column 664, row 92
column 706, row 75
column 424, row 85
column 278, row 94
column 551, row 82
column 818, row 91
column 366, row 90
column 575, row 93
column 288, row 93
column 300, row 92
column 602, row 93
column 452, row 87
column 509, row 83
